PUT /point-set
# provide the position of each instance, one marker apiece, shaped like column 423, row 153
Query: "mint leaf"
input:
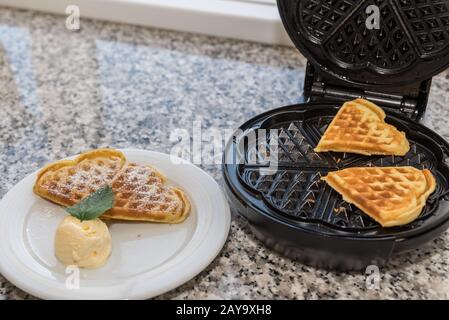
column 94, row 205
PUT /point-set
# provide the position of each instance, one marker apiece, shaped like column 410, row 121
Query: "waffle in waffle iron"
column 140, row 191
column 393, row 196
column 359, row 127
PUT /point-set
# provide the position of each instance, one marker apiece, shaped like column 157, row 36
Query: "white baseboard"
column 258, row 22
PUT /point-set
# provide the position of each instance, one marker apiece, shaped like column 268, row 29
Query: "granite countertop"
column 114, row 85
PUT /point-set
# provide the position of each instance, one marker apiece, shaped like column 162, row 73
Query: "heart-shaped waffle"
column 359, row 127
column 140, row 191
column 66, row 182
column 141, row 194
column 392, row 196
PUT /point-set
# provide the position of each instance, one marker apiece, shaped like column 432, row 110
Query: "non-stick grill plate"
column 295, row 193
column 409, row 44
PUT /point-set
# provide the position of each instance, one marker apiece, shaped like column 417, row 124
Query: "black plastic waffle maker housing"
column 286, row 204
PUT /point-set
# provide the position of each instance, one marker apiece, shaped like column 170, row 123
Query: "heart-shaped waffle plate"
column 371, row 43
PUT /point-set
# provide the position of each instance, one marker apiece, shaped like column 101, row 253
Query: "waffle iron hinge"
column 410, row 100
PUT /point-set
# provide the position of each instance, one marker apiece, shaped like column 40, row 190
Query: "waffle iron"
column 290, row 209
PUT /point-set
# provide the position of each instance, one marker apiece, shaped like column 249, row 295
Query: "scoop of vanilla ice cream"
column 85, row 244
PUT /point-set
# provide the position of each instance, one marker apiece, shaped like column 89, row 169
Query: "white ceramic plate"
column 147, row 259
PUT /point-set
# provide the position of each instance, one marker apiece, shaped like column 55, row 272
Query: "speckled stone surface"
column 115, row 85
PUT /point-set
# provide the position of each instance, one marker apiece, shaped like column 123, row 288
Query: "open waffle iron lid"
column 392, row 47
column 291, row 209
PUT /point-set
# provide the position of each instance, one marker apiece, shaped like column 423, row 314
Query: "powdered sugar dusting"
column 75, row 182
column 141, row 188
column 136, row 187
